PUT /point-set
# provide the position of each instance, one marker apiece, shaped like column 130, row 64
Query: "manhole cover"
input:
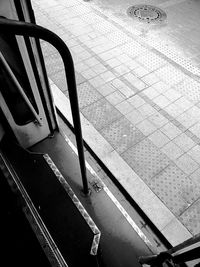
column 147, row 13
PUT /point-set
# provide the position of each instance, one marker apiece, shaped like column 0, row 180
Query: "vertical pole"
column 79, row 140
column 33, row 30
column 73, row 97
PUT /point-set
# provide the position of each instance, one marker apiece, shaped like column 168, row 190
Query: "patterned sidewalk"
column 143, row 106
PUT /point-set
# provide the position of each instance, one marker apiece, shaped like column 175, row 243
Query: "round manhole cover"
column 147, row 13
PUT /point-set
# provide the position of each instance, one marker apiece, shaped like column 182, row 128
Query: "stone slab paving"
column 143, row 108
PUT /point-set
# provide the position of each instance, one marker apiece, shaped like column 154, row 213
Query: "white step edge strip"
column 166, row 222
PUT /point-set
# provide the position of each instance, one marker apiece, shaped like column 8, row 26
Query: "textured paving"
column 122, row 135
column 144, row 104
column 176, row 37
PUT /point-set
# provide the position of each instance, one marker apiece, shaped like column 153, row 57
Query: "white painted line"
column 113, row 199
column 152, row 206
column 78, row 204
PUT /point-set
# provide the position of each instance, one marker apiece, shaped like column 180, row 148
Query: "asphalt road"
column 179, row 32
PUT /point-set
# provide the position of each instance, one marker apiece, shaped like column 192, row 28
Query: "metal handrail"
column 36, row 31
column 183, row 252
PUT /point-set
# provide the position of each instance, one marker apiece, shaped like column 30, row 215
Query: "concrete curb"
column 166, row 222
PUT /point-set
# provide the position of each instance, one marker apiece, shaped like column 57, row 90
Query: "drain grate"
column 147, row 13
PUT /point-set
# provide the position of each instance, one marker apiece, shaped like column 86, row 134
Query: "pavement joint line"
column 137, row 91
column 152, row 47
column 139, row 40
column 175, row 121
column 126, row 216
column 168, row 217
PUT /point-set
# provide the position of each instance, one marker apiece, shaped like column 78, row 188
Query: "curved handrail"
column 32, row 30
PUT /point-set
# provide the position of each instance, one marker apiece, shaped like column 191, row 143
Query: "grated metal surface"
column 87, row 94
column 146, row 159
column 101, row 113
column 122, row 135
column 191, row 218
column 175, row 189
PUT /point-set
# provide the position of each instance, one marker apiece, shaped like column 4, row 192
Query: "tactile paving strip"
column 59, row 79
column 146, row 159
column 118, row 37
column 69, row 3
column 170, row 75
column 133, row 49
column 191, row 218
column 47, row 49
column 151, row 61
column 155, row 43
column 121, row 134
column 78, row 9
column 53, row 63
column 190, row 88
column 87, row 94
column 101, row 113
column 91, row 18
column 175, row 189
column 104, row 27
column 79, row 78
column 173, row 55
